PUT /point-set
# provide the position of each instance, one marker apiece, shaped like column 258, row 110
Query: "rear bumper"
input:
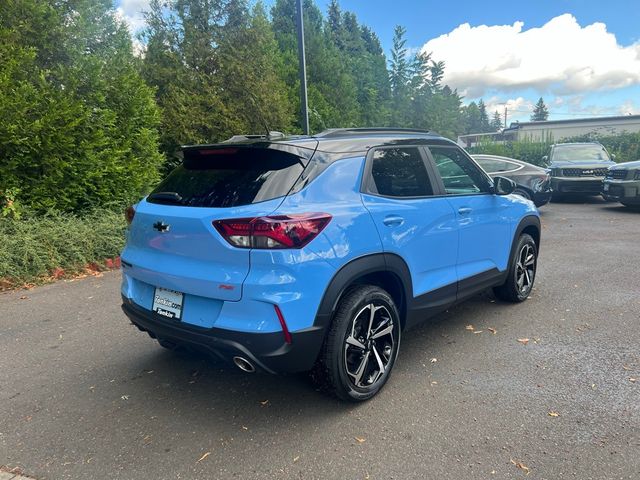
column 541, row 198
column 586, row 186
column 267, row 351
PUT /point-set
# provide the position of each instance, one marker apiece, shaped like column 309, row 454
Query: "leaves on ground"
column 433, row 360
column 521, row 466
column 523, row 341
column 633, row 380
column 470, row 328
column 360, row 439
column 492, row 330
column 203, row 457
column 553, row 414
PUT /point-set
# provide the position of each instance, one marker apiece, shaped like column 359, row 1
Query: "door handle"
column 464, row 211
column 392, row 220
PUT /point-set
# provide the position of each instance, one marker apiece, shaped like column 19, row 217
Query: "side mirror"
column 613, row 156
column 503, row 186
column 545, row 160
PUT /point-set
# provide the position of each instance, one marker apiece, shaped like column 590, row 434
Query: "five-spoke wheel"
column 522, row 271
column 362, row 344
column 369, row 345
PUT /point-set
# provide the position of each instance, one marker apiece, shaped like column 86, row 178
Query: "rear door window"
column 229, row 177
column 400, row 172
column 494, row 165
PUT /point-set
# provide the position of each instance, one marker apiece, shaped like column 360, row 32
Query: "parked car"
column 622, row 184
column 578, row 168
column 533, row 183
column 319, row 253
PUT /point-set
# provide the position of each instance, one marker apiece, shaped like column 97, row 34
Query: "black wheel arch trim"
column 528, row 221
column 360, row 267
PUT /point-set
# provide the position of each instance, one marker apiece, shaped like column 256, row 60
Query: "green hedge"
column 33, row 247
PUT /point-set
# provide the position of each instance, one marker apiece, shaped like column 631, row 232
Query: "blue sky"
column 582, row 56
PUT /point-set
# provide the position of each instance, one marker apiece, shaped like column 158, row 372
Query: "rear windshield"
column 228, row 177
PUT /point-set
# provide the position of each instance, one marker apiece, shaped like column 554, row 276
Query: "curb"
column 12, row 476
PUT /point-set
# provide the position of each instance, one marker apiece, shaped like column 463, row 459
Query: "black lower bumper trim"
column 267, row 351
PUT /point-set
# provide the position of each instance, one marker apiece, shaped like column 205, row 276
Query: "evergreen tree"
column 399, row 78
column 540, row 112
column 484, row 117
column 473, row 122
column 496, row 121
column 79, row 123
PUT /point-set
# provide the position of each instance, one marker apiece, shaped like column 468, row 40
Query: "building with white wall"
column 557, row 130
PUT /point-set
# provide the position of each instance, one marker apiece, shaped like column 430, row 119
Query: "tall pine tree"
column 540, row 112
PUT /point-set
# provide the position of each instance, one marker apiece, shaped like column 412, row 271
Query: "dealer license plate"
column 606, row 187
column 168, row 303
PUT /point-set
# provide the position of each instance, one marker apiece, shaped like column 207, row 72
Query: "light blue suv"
column 318, row 253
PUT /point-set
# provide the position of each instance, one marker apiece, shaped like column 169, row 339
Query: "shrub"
column 34, row 247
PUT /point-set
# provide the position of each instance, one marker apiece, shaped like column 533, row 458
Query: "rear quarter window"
column 229, row 177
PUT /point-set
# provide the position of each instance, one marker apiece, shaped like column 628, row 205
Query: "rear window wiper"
column 170, row 198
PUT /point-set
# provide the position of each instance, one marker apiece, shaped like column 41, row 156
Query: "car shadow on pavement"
column 186, row 384
column 575, row 199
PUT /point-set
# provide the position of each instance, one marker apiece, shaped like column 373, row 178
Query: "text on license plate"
column 167, row 303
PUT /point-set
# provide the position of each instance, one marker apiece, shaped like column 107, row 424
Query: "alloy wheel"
column 369, row 346
column 525, row 269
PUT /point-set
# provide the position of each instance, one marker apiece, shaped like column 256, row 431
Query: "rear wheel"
column 522, row 193
column 361, row 346
column 522, row 271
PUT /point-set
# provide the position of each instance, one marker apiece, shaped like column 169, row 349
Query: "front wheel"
column 522, row 271
column 361, row 346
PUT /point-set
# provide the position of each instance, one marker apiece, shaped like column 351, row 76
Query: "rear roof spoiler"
column 303, row 150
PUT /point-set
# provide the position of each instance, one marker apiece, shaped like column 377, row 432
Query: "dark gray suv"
column 578, row 168
column 622, row 184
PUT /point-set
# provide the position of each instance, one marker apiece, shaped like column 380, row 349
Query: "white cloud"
column 560, row 57
column 629, row 107
column 132, row 13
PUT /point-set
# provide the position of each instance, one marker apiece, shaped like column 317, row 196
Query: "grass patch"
column 33, row 248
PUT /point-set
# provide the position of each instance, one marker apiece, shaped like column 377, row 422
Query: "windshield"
column 580, row 153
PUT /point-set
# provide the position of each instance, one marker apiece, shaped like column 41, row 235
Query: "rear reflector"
column 129, row 213
column 283, row 324
column 275, row 232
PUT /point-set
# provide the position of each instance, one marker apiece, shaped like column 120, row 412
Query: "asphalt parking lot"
column 548, row 388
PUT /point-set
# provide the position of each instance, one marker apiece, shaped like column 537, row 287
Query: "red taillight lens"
column 129, row 213
column 281, row 231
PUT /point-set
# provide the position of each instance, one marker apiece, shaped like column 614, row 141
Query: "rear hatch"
column 172, row 242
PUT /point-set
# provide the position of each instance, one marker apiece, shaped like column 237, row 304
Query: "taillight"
column 281, row 231
column 129, row 213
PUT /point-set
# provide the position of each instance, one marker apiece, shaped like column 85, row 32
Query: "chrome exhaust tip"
column 244, row 364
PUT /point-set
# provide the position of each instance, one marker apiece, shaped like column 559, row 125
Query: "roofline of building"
column 517, row 125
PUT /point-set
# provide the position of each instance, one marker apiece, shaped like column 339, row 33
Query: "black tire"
column 523, row 193
column 631, row 206
column 522, row 274
column 346, row 370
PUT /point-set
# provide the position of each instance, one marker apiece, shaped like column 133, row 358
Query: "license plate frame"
column 168, row 303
